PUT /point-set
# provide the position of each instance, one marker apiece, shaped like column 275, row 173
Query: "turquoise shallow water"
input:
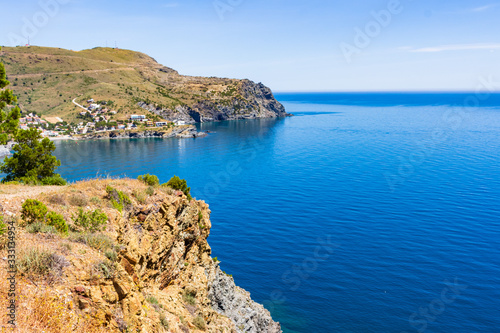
column 363, row 213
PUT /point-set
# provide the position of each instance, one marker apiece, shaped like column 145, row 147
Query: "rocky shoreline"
column 177, row 132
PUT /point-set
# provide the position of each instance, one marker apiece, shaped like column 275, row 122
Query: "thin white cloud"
column 459, row 47
column 170, row 5
column 483, row 8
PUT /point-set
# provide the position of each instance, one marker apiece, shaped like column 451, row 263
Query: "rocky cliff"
column 150, row 270
column 248, row 100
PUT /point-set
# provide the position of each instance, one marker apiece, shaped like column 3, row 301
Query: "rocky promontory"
column 148, row 270
column 246, row 100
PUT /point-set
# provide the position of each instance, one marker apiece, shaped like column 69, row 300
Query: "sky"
column 289, row 45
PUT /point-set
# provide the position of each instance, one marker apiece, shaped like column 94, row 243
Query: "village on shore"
column 95, row 117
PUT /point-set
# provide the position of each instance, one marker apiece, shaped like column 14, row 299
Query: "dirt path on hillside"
column 95, row 71
column 12, row 196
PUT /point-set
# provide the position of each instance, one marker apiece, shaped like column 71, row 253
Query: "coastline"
column 187, row 131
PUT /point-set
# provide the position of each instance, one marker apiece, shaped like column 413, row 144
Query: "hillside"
column 46, row 80
column 148, row 270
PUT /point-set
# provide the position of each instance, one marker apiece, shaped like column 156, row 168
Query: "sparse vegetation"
column 119, row 200
column 140, row 196
column 164, row 321
column 78, row 200
column 40, row 262
column 199, row 322
column 91, row 221
column 97, row 241
column 57, row 199
column 189, row 297
column 39, row 227
column 104, row 268
column 150, row 191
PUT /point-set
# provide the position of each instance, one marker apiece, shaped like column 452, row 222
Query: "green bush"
column 57, row 221
column 90, row 221
column 56, row 180
column 119, row 200
column 179, row 184
column 150, row 180
column 33, row 211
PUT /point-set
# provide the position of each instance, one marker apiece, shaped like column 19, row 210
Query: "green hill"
column 46, row 80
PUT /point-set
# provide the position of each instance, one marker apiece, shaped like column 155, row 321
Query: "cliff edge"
column 148, row 270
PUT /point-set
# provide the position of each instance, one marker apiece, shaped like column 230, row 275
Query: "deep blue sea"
column 363, row 213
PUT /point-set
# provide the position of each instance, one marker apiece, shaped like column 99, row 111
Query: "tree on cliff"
column 32, row 161
column 9, row 119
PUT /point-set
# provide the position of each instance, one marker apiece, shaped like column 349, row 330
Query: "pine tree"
column 9, row 120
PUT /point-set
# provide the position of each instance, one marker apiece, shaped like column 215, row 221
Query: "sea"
column 364, row 212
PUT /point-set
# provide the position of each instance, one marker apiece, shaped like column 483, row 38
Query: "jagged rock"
column 235, row 303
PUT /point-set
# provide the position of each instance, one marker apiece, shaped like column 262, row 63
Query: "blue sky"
column 288, row 45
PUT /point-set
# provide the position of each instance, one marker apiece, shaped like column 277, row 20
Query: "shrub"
column 92, row 222
column 3, row 226
column 57, row 200
column 119, row 200
column 39, row 227
column 3, row 233
column 95, row 200
column 150, row 191
column 179, row 184
column 56, row 180
column 199, row 322
column 97, row 241
column 40, row 262
column 57, row 221
column 78, row 200
column 189, row 297
column 33, row 211
column 163, row 321
column 105, row 268
column 151, row 299
column 150, row 180
column 140, row 196
column 111, row 255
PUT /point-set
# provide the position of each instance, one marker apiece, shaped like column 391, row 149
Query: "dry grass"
column 45, row 302
column 42, row 310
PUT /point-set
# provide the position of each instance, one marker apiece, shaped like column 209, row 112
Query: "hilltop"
column 149, row 269
column 46, row 80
